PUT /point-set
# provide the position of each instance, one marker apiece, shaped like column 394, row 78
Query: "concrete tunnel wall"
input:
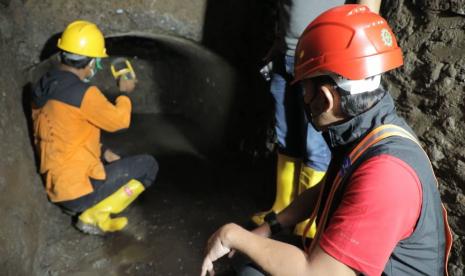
column 429, row 90
column 176, row 77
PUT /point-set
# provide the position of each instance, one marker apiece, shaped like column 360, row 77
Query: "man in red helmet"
column 379, row 210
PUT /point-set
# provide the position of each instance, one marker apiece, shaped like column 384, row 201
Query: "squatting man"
column 68, row 114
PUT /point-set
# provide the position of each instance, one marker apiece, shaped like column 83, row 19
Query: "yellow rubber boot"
column 308, row 178
column 287, row 176
column 96, row 220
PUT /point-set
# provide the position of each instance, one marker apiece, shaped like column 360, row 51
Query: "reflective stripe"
column 378, row 134
column 449, row 240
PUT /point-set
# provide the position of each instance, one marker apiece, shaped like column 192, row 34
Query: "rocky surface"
column 430, row 91
column 39, row 23
column 22, row 199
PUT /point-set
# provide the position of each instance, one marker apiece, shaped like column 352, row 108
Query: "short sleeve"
column 380, row 207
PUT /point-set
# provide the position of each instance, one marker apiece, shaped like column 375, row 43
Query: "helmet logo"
column 386, row 37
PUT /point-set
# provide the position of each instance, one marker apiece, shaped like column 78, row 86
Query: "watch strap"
column 272, row 221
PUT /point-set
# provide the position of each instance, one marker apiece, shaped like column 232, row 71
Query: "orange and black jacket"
column 68, row 115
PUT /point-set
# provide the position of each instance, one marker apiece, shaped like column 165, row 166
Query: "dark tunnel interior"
column 182, row 116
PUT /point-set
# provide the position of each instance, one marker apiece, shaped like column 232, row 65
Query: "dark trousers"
column 296, row 136
column 143, row 168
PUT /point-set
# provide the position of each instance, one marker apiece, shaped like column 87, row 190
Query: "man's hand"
column 217, row 247
column 126, row 85
column 110, row 156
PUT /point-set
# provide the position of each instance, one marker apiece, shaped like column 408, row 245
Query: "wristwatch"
column 273, row 223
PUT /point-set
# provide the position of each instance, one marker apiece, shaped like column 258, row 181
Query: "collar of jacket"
column 50, row 83
column 351, row 131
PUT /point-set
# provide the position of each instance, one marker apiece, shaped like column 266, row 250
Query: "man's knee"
column 243, row 266
column 249, row 270
column 150, row 166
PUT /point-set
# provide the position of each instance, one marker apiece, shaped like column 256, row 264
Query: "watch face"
column 273, row 223
column 270, row 217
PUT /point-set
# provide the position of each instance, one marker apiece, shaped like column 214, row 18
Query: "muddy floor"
column 170, row 223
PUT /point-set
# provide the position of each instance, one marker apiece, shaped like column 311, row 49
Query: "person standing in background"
column 303, row 155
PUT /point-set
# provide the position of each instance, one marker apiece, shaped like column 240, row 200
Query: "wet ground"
column 196, row 192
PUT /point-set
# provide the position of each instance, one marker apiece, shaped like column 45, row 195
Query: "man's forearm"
column 373, row 5
column 276, row 258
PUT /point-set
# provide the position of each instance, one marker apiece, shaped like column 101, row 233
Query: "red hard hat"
column 348, row 40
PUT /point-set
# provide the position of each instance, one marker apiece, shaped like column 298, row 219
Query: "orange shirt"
column 67, row 138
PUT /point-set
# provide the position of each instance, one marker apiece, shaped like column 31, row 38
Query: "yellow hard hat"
column 83, row 38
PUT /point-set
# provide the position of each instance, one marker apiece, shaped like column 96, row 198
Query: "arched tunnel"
column 184, row 93
column 203, row 111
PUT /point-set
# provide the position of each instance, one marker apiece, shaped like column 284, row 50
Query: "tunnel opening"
column 183, row 114
column 182, row 88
